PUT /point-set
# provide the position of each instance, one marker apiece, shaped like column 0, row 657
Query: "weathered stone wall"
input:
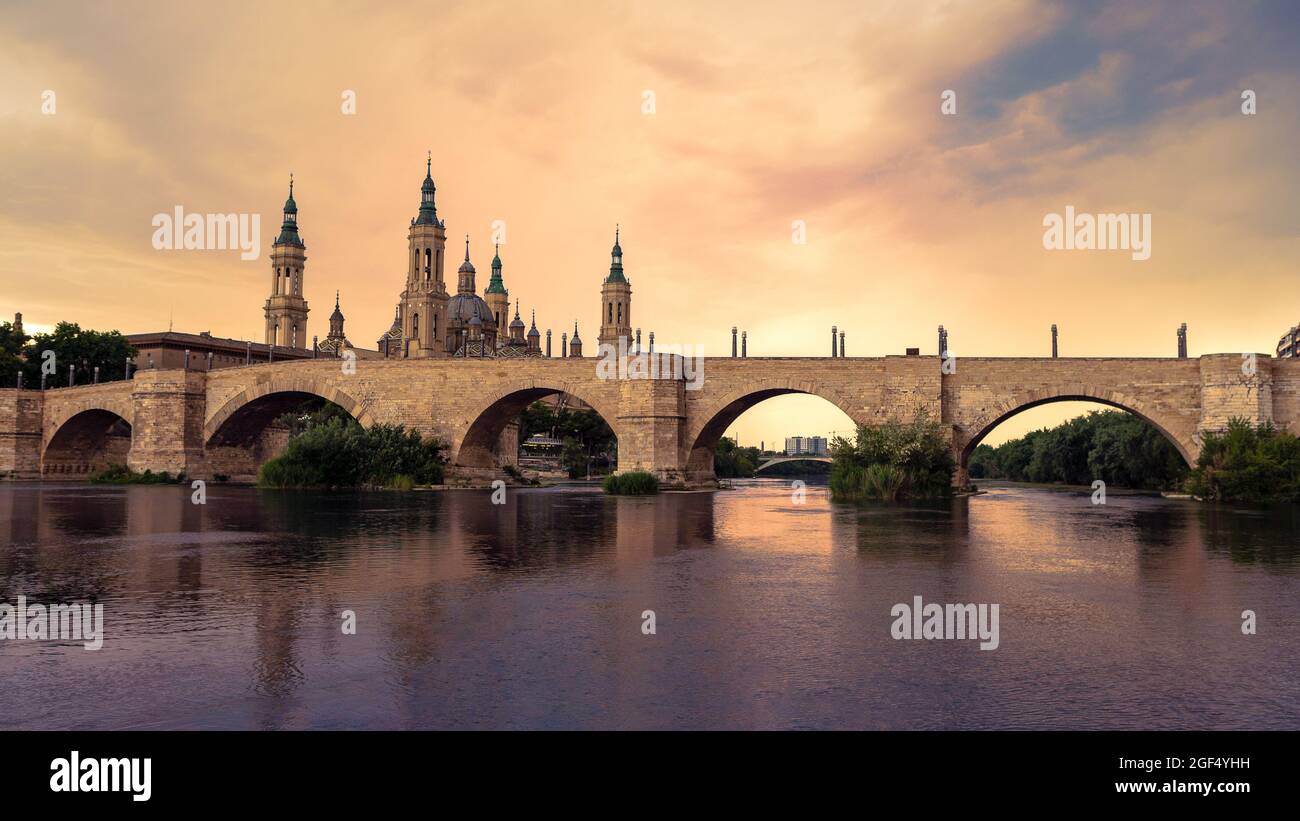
column 21, row 414
column 1235, row 386
column 1286, row 393
column 167, row 432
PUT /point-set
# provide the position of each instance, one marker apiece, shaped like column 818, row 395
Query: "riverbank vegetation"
column 632, row 483
column 1247, row 464
column 329, row 449
column 896, row 460
column 1116, row 447
column 123, row 475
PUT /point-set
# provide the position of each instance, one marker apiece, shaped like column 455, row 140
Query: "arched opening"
column 260, row 430
column 1076, row 440
column 87, row 443
column 571, row 434
column 765, row 424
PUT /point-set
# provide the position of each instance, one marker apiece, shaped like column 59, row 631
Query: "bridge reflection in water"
column 769, row 613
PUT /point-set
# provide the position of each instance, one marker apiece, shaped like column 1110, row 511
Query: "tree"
column 83, row 350
column 11, row 354
column 730, row 460
column 1116, row 447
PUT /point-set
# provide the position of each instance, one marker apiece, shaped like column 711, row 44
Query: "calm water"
column 528, row 615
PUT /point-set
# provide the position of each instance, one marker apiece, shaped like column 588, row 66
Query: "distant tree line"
column 1116, row 447
column 83, row 350
column 731, row 461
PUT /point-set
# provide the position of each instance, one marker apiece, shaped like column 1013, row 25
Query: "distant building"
column 1288, row 347
column 806, row 446
column 166, row 349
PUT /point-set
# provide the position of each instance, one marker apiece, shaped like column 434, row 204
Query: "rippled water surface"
column 769, row 614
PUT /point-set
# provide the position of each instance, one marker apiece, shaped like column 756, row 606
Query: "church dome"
column 463, row 307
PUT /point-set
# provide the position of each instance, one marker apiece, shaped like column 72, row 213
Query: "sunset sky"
column 764, row 114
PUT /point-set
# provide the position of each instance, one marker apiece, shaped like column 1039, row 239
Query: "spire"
column 336, row 321
column 496, row 285
column 466, row 285
column 289, row 227
column 575, row 330
column 517, row 324
column 532, row 330
column 616, row 261
column 428, row 211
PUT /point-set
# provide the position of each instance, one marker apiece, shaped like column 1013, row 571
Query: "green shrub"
column 893, row 461
column 883, row 482
column 338, row 452
column 123, row 475
column 1247, row 464
column 632, row 483
column 401, row 482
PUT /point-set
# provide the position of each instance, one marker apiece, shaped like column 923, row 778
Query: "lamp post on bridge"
column 1053, row 340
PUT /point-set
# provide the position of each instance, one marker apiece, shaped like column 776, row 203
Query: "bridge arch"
column 710, row 424
column 1174, row 429
column 477, row 445
column 242, row 434
column 265, row 401
column 87, row 438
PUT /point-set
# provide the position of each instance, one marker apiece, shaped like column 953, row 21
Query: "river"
column 769, row 610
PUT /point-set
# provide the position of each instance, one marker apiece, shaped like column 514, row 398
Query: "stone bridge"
column 223, row 422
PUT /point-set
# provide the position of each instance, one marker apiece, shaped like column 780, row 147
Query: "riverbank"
column 980, row 484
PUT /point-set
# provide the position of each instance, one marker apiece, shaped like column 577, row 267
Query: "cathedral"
column 428, row 320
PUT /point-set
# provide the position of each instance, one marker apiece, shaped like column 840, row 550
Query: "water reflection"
column 770, row 612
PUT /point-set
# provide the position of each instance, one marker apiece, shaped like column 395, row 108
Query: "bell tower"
column 615, row 301
column 285, row 309
column 424, row 301
column 498, row 298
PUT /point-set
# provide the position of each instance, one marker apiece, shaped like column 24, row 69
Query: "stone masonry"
column 224, row 421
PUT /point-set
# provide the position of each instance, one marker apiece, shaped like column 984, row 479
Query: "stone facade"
column 204, row 423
